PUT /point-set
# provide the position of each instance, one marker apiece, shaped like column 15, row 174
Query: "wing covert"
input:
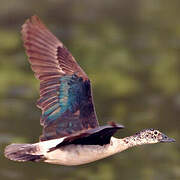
column 65, row 92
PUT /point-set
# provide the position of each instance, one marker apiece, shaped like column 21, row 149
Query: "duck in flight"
column 71, row 132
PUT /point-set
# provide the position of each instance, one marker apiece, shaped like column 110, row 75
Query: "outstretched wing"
column 65, row 92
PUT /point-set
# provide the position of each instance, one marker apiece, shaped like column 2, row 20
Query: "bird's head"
column 151, row 136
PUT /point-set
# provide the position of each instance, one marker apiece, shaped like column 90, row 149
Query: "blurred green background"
column 131, row 52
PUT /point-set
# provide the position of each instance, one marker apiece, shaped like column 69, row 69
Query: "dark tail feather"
column 22, row 152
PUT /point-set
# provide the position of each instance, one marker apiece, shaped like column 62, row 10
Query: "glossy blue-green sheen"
column 72, row 92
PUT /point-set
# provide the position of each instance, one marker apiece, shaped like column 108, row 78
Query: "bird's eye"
column 155, row 132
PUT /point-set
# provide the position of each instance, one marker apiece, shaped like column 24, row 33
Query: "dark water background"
column 131, row 52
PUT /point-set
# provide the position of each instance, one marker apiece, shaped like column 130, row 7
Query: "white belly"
column 78, row 154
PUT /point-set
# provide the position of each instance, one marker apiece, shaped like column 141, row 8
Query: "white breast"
column 81, row 154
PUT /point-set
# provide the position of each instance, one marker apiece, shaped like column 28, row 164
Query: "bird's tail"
column 23, row 152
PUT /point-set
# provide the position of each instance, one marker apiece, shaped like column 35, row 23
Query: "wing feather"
column 65, row 93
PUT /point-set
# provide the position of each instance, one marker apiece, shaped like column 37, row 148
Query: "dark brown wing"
column 65, row 92
column 100, row 135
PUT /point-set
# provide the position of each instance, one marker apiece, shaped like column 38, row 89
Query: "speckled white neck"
column 136, row 140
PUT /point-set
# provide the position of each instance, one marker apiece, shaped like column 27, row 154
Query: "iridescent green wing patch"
column 65, row 92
